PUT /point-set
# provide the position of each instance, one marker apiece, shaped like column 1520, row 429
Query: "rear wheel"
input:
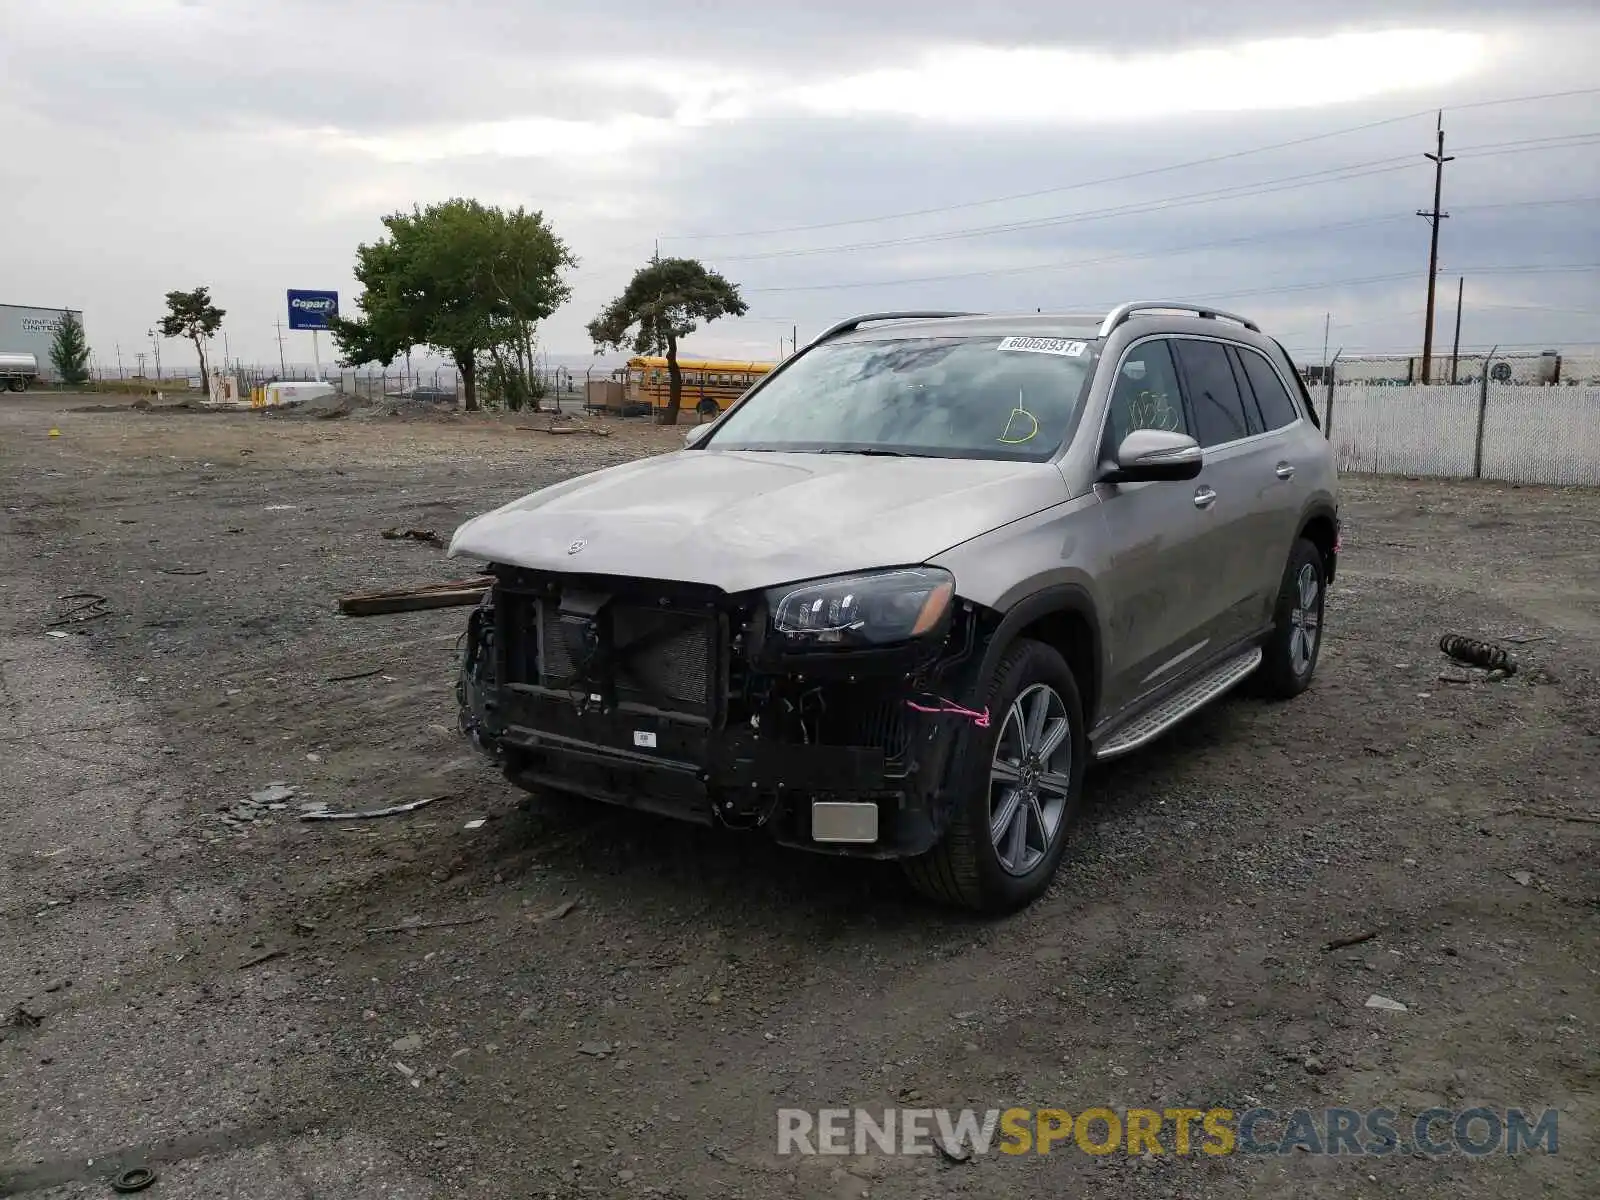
column 1290, row 655
column 1017, row 789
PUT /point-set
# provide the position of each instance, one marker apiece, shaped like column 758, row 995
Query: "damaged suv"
column 894, row 600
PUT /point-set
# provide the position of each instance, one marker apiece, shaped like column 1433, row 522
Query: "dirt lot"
column 211, row 996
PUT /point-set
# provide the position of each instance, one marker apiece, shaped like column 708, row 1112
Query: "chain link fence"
column 1519, row 433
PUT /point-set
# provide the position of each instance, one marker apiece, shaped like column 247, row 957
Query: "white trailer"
column 17, row 371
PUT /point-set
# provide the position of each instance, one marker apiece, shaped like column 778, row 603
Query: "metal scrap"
column 357, row 675
column 407, row 927
column 92, row 609
column 322, row 814
column 1475, row 653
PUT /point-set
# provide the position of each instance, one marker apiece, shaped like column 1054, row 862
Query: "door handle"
column 1204, row 497
column 1284, row 470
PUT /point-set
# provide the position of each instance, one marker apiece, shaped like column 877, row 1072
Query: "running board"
column 1152, row 724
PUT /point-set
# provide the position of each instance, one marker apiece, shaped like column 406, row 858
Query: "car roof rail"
column 856, row 322
column 1122, row 312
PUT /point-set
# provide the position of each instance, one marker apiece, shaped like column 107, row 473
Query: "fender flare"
column 1318, row 509
column 1056, row 598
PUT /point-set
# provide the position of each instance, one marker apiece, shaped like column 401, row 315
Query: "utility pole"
column 1455, row 348
column 283, row 371
column 1327, row 323
column 120, row 375
column 155, row 344
column 1438, row 158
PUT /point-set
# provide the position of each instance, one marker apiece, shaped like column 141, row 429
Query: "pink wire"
column 980, row 719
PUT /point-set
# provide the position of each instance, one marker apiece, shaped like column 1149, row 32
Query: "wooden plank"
column 435, row 595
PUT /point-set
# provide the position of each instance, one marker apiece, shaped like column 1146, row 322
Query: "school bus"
column 709, row 384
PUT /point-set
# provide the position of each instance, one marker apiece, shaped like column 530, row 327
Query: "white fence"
column 1528, row 434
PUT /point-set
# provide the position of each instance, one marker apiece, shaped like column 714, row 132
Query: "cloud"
column 982, row 85
column 252, row 146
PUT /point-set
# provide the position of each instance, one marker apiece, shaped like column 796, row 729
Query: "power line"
column 1165, row 251
column 1142, row 174
column 1530, row 269
column 1359, row 170
column 1378, row 166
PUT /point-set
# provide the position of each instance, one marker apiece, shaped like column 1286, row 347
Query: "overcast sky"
column 250, row 146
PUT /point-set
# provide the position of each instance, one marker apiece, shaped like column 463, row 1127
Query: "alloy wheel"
column 1030, row 778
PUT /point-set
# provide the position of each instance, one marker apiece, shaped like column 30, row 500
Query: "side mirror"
column 695, row 434
column 1148, row 455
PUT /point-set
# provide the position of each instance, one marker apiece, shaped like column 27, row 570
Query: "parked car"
column 897, row 598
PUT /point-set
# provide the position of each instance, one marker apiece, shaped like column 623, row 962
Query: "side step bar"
column 1148, row 726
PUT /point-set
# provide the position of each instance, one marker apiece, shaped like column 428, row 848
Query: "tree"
column 192, row 315
column 69, row 351
column 469, row 281
column 665, row 302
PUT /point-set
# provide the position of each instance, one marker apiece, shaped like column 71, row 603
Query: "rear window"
column 1277, row 410
column 952, row 397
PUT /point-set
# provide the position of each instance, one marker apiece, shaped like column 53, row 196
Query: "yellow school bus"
column 709, row 384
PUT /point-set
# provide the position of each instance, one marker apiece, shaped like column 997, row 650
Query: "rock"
column 594, row 1049
column 1314, row 1065
column 1525, row 878
column 409, row 1044
column 1384, row 1003
column 273, row 793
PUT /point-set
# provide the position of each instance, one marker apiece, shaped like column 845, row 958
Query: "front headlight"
column 863, row 610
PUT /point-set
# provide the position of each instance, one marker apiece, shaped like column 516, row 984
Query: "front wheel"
column 1017, row 786
column 1289, row 658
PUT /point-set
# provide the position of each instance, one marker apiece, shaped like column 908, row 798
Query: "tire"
column 17, row 385
column 968, row 868
column 1287, row 664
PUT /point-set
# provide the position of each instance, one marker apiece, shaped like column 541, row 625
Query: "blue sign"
column 312, row 310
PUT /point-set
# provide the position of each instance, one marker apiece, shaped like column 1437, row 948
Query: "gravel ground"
column 611, row 1004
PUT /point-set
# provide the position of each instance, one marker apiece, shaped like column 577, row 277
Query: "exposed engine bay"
column 785, row 709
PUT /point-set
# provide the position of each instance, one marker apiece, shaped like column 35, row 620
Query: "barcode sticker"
column 644, row 738
column 1043, row 345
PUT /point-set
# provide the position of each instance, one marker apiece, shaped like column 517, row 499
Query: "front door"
column 1157, row 572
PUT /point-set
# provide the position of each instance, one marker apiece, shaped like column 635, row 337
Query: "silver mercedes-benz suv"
column 894, row 600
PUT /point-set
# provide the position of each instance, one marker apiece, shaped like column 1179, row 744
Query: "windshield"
column 978, row 397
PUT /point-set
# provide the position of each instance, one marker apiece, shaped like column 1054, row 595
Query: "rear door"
column 1285, row 467
column 1156, row 562
column 1230, row 492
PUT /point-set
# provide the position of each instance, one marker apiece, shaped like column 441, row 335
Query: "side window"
column 1213, row 394
column 1252, row 411
column 1145, row 395
column 1277, row 409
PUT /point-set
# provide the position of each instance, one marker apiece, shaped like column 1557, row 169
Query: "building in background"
column 28, row 330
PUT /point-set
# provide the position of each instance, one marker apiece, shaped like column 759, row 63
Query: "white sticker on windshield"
column 1043, row 345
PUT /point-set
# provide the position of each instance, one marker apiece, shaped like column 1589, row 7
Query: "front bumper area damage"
column 678, row 700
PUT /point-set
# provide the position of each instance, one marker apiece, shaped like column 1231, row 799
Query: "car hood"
column 738, row 520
